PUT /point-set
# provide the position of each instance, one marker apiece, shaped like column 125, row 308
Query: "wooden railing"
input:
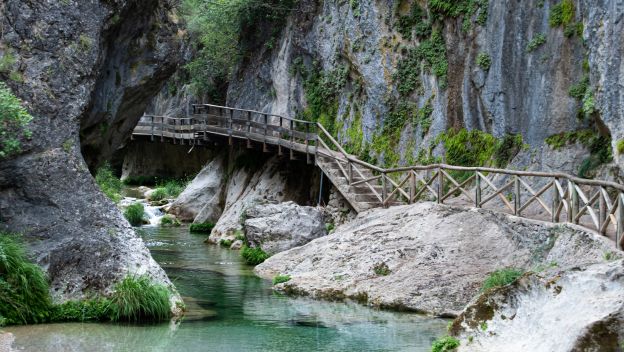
column 556, row 197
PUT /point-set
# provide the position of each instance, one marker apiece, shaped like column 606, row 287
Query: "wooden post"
column 516, row 196
column 570, row 206
column 230, row 121
column 162, row 129
column 350, row 165
column 440, row 185
column 384, row 192
column 175, row 131
column 620, row 221
column 573, row 203
column 556, row 200
column 307, row 137
column 279, row 137
column 152, row 119
column 264, row 146
column 477, row 190
column 602, row 211
column 412, row 187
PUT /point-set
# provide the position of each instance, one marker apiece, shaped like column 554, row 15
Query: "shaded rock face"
column 521, row 92
column 426, row 257
column 576, row 310
column 144, row 158
column 279, row 227
column 76, row 61
column 204, row 193
column 276, row 180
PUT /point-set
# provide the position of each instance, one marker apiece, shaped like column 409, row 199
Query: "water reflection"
column 232, row 310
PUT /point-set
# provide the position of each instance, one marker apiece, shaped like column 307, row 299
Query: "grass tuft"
column 278, row 279
column 24, row 297
column 109, row 183
column 134, row 213
column 253, row 255
column 137, row 299
column 205, row 227
column 444, row 344
column 501, row 278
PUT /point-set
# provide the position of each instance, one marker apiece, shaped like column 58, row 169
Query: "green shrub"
column 484, row 61
column 158, row 194
column 537, row 41
column 578, row 89
column 169, row 220
column 619, row 146
column 253, row 255
column 108, row 183
column 225, row 243
column 501, row 277
column 24, row 296
column 205, row 227
column 444, row 344
column 381, row 269
column 14, row 120
column 134, row 213
column 173, row 188
column 281, row 279
column 138, row 299
column 562, row 13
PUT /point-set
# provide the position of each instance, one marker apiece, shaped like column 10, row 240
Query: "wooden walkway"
column 557, row 197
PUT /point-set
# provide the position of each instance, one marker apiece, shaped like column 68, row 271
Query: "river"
column 230, row 309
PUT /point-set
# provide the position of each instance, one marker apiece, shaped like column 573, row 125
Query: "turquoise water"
column 230, row 309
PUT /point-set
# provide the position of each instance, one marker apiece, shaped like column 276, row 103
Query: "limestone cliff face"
column 85, row 70
column 500, row 79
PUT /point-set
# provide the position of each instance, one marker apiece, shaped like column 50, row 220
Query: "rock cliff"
column 393, row 75
column 85, row 70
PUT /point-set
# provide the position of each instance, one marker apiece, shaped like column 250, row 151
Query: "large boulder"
column 86, row 80
column 575, row 310
column 203, row 194
column 427, row 257
column 279, row 227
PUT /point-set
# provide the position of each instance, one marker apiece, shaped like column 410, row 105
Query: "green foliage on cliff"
column 430, row 54
column 108, row 183
column 138, row 299
column 599, row 148
column 223, row 31
column 562, row 13
column 478, row 148
column 484, row 61
column 415, row 21
column 619, row 146
column 502, row 277
column 253, row 255
column 24, row 297
column 14, row 120
column 134, row 213
column 445, row 344
column 538, row 40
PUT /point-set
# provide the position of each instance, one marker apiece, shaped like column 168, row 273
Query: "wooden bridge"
column 556, row 197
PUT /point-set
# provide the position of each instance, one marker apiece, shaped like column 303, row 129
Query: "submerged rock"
column 426, row 257
column 576, row 310
column 279, row 227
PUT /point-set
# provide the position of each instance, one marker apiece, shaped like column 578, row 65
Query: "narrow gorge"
column 302, row 175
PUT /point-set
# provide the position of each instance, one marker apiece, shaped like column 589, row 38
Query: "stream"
column 230, row 309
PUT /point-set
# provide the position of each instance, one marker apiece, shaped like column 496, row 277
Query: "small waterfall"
column 153, row 214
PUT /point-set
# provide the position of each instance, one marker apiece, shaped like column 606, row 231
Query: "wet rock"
column 581, row 309
column 426, row 257
column 279, row 227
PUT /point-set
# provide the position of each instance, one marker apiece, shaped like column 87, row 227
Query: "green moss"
column 538, row 40
column 134, row 213
column 483, row 326
column 205, row 227
column 278, row 279
column 24, row 297
column 416, row 21
column 619, row 146
column 355, row 143
column 444, row 344
column 562, row 13
column 14, row 120
column 573, row 28
column 501, row 277
column 7, row 60
column 578, row 89
column 225, row 243
column 108, row 183
column 430, row 54
column 138, row 299
column 484, row 61
column 84, row 43
column 253, row 255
